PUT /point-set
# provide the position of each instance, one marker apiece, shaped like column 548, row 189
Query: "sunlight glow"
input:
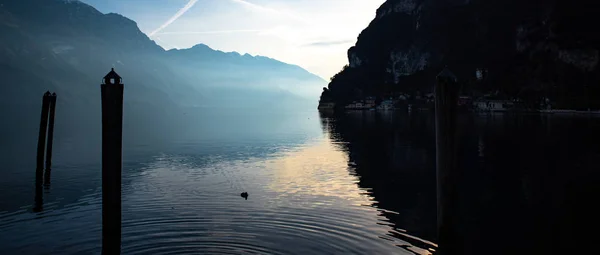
column 314, row 34
column 315, row 171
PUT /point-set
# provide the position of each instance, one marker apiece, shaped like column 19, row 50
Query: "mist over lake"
column 299, row 127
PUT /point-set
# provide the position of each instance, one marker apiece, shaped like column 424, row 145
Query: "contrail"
column 189, row 5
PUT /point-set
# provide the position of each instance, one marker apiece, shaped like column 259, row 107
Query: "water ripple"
column 302, row 201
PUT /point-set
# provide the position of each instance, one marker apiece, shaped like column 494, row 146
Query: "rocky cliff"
column 525, row 48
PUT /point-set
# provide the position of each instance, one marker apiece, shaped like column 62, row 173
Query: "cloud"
column 211, row 32
column 270, row 10
column 182, row 11
column 327, row 43
column 256, row 6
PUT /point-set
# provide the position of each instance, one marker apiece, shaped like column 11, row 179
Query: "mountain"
column 522, row 48
column 68, row 46
column 212, row 69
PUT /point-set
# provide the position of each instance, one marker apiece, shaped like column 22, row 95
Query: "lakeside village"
column 418, row 102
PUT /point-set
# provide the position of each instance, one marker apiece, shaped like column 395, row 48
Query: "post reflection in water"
column 527, row 183
column 42, row 183
column 361, row 183
column 38, row 205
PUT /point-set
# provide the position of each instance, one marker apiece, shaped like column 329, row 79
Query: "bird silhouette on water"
column 244, row 195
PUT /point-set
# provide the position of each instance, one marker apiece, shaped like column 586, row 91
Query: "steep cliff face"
column 549, row 47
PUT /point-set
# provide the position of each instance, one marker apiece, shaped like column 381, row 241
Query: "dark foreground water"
column 359, row 183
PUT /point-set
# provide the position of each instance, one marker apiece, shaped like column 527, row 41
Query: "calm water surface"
column 359, row 183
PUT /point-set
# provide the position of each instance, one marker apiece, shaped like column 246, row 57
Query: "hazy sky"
column 314, row 34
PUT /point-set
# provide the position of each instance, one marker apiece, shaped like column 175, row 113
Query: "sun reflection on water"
column 317, row 170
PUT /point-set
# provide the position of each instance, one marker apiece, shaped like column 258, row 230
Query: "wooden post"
column 52, row 103
column 112, row 136
column 47, row 175
column 42, row 135
column 446, row 99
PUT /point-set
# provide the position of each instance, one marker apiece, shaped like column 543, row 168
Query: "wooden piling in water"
column 112, row 136
column 52, row 105
column 446, row 99
column 42, row 134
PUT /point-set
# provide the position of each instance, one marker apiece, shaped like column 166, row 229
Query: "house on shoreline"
column 326, row 106
column 404, row 102
column 493, row 105
column 386, row 105
column 367, row 103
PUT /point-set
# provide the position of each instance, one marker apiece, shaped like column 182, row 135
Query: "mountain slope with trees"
column 521, row 48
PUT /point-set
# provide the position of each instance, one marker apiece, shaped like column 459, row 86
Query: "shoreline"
column 552, row 112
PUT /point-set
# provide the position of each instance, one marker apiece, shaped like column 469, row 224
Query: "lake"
column 353, row 183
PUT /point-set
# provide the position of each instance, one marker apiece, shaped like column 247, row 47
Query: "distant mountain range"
column 68, row 46
column 522, row 48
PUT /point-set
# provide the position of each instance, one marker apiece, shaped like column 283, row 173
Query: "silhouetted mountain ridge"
column 68, row 46
column 523, row 48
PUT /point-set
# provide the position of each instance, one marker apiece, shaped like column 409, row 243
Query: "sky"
column 314, row 34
